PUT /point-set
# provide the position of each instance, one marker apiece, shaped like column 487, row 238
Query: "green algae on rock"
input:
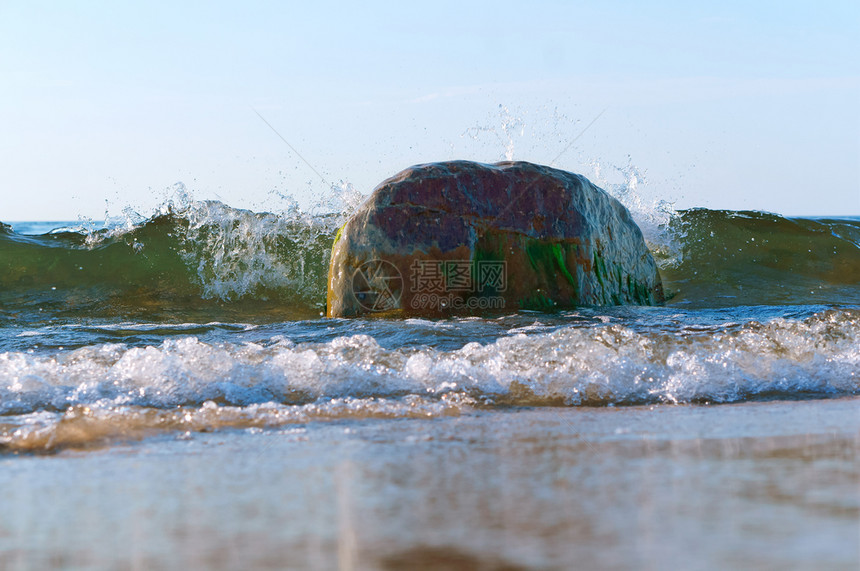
column 462, row 237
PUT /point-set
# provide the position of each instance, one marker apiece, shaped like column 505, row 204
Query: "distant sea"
column 170, row 396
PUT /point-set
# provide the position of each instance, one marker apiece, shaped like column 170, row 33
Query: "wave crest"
column 587, row 364
column 204, row 259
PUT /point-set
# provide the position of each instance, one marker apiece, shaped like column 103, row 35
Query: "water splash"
column 507, row 130
column 626, row 182
column 654, row 216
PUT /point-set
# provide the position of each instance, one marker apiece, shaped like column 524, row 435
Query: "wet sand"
column 753, row 485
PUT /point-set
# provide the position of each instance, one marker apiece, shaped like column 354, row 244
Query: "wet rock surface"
column 468, row 238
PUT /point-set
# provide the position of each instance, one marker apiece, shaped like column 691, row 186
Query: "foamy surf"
column 89, row 426
column 56, row 398
column 204, row 317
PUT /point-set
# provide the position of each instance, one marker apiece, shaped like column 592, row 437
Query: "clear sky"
column 738, row 105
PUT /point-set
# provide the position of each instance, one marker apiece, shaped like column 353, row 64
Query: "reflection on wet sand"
column 752, row 484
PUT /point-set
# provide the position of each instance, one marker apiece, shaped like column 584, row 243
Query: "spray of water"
column 626, row 182
column 505, row 129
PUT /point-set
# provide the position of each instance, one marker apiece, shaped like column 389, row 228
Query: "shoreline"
column 756, row 483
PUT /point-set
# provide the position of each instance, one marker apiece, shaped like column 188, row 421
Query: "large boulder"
column 464, row 237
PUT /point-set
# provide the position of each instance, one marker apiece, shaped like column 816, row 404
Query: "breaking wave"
column 208, row 258
column 109, row 391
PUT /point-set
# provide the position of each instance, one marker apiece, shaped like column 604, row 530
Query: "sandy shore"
column 771, row 484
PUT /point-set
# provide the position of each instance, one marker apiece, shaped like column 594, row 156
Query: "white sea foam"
column 611, row 363
column 238, row 252
column 112, row 390
column 235, row 253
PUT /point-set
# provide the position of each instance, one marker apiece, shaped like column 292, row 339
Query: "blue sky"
column 739, row 105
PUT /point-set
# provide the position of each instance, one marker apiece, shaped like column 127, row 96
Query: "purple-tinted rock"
column 464, row 237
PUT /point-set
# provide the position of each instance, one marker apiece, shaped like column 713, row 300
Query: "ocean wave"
column 611, row 364
column 200, row 256
column 726, row 258
column 206, row 260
